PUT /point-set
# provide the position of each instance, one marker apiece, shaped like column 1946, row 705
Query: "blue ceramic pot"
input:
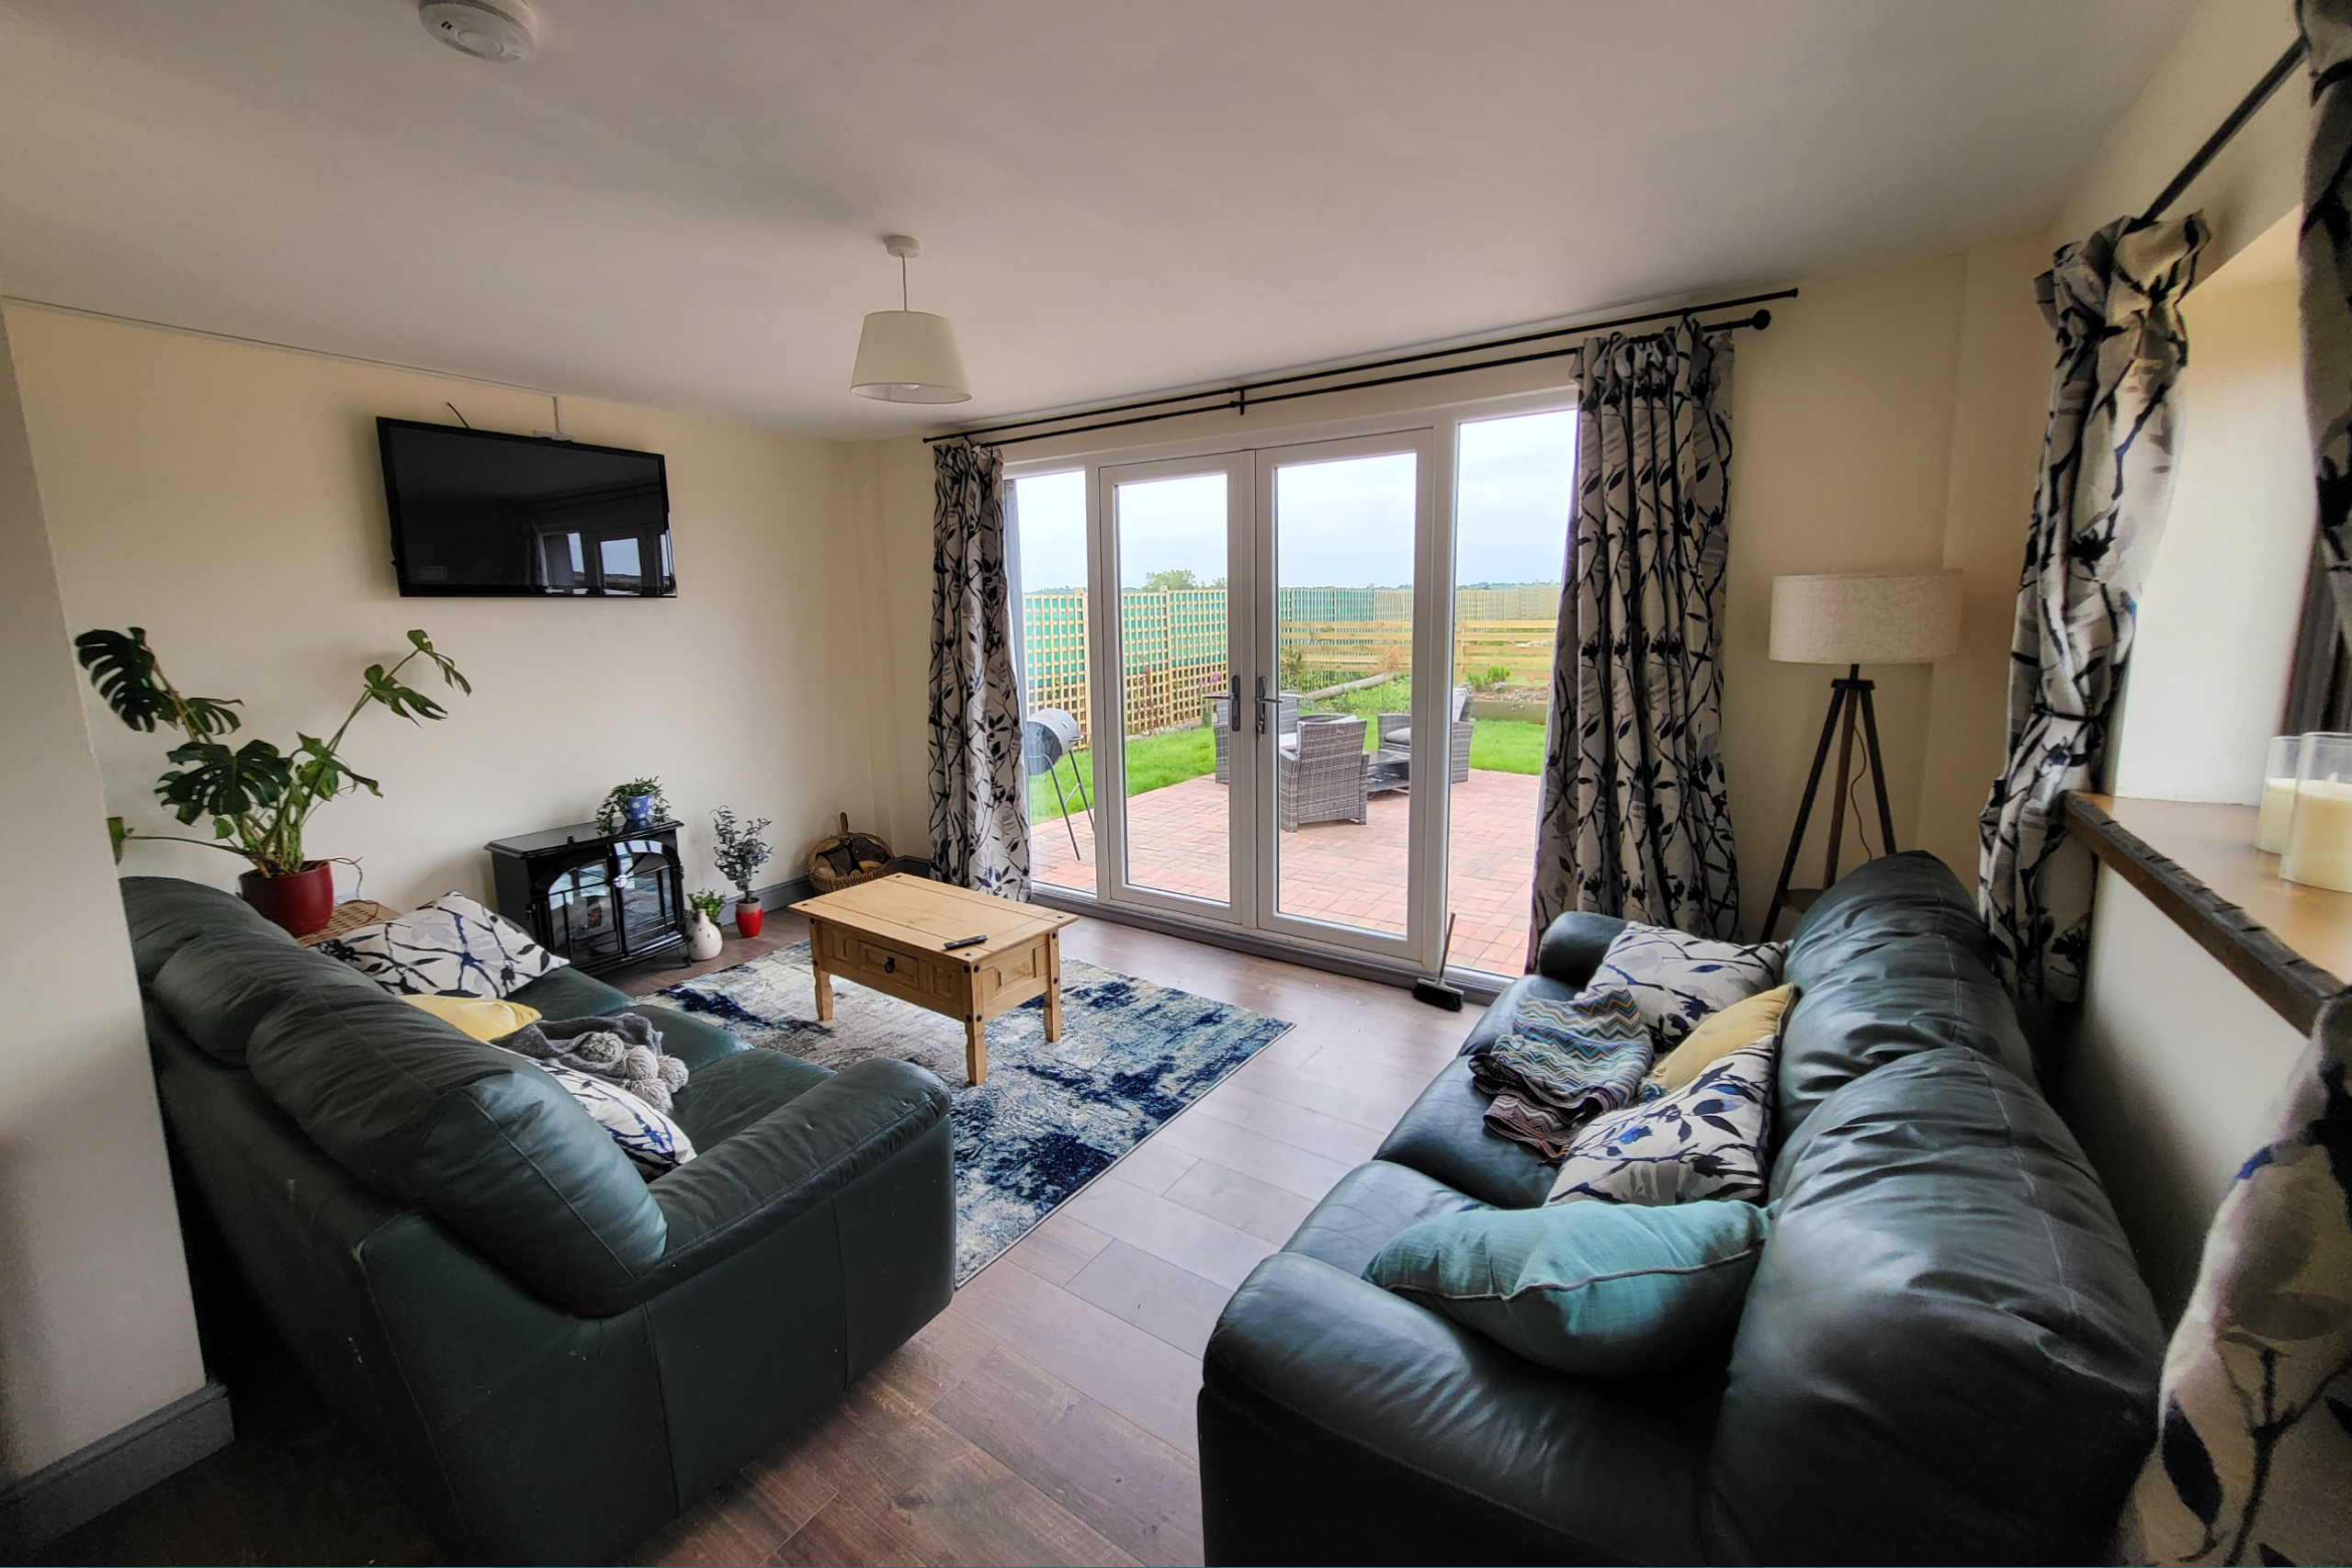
column 637, row 810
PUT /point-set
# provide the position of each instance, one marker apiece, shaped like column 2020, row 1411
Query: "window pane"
column 1049, row 511
column 1172, row 644
column 1514, row 487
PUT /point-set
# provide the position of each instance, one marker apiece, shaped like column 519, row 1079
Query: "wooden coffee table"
column 891, row 934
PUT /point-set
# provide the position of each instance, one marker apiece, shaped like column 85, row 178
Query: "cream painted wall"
column 2217, row 615
column 2171, row 1082
column 95, row 1326
column 229, row 499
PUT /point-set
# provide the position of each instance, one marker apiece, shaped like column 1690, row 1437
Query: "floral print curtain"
column 979, row 825
column 2099, row 502
column 1635, row 820
column 2327, row 266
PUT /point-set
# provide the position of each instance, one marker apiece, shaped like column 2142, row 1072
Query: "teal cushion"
column 217, row 987
column 1600, row 1289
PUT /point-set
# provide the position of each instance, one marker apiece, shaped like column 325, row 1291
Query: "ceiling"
column 681, row 203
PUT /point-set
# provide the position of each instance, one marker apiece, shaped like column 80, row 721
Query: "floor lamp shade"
column 909, row 356
column 1866, row 617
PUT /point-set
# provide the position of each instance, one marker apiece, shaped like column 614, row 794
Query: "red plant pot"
column 749, row 918
column 303, row 902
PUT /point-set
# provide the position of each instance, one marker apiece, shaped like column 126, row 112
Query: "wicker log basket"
column 847, row 859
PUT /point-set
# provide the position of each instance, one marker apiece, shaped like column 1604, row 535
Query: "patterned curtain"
column 2327, row 287
column 1635, row 820
column 979, row 829
column 2099, row 504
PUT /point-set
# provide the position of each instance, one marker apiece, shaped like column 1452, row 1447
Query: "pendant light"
column 909, row 356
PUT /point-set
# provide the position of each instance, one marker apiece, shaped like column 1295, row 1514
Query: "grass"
column 1155, row 761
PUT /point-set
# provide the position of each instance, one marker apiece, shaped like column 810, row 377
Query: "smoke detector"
column 503, row 31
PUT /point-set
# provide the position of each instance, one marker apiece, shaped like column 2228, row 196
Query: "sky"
column 1346, row 522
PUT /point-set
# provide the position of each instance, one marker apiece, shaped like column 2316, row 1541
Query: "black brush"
column 1437, row 993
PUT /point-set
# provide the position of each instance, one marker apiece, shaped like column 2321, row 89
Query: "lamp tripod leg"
column 1804, row 812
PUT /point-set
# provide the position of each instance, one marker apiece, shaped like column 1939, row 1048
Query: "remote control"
column 962, row 941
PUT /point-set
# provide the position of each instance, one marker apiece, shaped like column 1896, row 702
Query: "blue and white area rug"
column 1048, row 1119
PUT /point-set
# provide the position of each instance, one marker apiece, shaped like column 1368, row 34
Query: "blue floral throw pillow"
column 650, row 1138
column 451, row 947
column 1677, row 979
column 1704, row 1140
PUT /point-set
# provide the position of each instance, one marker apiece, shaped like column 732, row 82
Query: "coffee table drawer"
column 854, row 956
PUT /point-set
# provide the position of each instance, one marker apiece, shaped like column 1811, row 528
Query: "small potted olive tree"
column 259, row 798
column 740, row 852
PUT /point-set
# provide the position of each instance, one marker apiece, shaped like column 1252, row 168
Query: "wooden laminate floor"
column 1045, row 1416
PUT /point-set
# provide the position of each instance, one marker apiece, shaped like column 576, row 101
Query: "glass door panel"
column 1346, row 532
column 1514, row 487
column 1049, row 514
column 1173, row 640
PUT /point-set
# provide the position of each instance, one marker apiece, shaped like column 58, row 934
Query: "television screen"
column 478, row 512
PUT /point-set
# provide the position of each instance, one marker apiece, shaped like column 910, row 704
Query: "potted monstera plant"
column 258, row 797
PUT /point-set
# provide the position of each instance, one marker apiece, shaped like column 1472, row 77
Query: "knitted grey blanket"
column 625, row 1049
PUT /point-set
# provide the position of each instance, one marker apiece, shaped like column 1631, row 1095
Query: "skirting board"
column 84, row 1485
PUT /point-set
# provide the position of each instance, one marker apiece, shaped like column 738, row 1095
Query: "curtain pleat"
column 1636, row 822
column 2099, row 503
column 979, row 827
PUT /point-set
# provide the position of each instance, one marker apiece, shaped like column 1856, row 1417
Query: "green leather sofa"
column 549, row 1355
column 1946, row 1354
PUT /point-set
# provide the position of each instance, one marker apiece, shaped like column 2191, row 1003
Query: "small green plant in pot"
column 703, row 937
column 740, row 852
column 637, row 804
column 259, row 798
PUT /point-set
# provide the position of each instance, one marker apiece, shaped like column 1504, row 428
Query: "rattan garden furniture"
column 1286, row 725
column 1321, row 777
column 1396, row 734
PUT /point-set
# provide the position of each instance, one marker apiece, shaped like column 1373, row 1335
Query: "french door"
column 1267, row 758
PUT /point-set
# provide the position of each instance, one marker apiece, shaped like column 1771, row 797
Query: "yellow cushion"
column 478, row 1016
column 1721, row 1032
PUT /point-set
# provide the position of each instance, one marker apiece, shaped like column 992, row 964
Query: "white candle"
column 2277, row 808
column 2319, row 844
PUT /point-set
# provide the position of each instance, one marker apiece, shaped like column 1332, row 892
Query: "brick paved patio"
column 1335, row 871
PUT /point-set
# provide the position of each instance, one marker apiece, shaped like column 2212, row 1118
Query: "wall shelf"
column 2196, row 862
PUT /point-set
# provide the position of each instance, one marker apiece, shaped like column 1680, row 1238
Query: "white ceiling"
column 681, row 203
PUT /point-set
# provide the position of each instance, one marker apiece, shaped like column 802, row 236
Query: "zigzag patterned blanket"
column 1561, row 1064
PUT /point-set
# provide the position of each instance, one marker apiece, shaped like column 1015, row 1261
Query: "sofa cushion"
column 163, row 912
column 1705, row 1139
column 1892, row 960
column 1367, row 1210
column 1949, row 1308
column 736, row 1090
column 1600, row 1289
column 1677, row 979
column 1573, row 945
column 478, row 1137
column 1444, row 1133
column 1742, row 1023
column 217, row 987
column 451, row 947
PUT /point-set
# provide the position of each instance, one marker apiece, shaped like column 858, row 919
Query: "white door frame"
column 1439, row 426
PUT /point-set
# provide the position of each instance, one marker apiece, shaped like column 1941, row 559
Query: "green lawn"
column 1155, row 761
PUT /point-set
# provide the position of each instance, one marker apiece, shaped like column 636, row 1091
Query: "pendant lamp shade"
column 909, row 356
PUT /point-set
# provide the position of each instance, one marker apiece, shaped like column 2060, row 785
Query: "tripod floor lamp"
column 1854, row 618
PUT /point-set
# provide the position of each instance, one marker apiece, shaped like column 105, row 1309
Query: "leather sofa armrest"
column 785, row 1164
column 1572, row 944
column 1412, row 1435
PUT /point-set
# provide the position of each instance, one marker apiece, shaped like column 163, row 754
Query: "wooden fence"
column 1173, row 695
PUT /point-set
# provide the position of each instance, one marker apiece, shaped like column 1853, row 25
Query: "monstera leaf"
column 123, row 667
column 212, row 781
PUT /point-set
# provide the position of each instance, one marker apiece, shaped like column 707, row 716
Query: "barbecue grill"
column 1049, row 737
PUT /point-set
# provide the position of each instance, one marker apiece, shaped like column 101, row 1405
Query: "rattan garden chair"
column 1396, row 734
column 1322, row 778
column 1286, row 725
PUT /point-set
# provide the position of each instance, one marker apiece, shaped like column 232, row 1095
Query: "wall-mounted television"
column 477, row 512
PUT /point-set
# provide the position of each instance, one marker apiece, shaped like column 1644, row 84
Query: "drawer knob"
column 890, row 966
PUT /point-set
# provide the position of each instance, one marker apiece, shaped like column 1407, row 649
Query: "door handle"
column 1233, row 709
column 1263, row 701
